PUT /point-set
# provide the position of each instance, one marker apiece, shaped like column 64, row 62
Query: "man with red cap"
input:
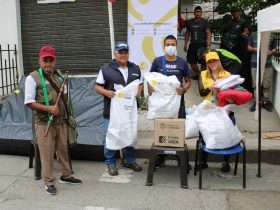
column 40, row 95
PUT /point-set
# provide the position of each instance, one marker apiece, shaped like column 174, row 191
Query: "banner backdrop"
column 149, row 22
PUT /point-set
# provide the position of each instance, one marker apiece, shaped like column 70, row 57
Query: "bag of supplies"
column 164, row 101
column 122, row 130
column 216, row 127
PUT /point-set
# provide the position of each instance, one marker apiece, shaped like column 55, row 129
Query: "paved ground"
column 18, row 189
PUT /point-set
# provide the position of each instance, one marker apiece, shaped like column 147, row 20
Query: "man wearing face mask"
column 171, row 64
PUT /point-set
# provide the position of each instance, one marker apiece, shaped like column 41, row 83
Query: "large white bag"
column 164, row 102
column 217, row 129
column 191, row 129
column 122, row 130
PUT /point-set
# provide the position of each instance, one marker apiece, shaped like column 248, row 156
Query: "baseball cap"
column 121, row 46
column 212, row 56
column 47, row 51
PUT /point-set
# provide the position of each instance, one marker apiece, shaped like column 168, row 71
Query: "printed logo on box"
column 169, row 139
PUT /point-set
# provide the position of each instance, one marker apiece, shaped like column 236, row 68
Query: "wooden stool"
column 180, row 153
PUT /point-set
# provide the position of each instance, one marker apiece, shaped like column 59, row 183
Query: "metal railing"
column 276, row 57
column 8, row 70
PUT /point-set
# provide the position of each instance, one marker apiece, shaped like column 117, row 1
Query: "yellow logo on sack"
column 154, row 82
column 120, row 95
column 206, row 107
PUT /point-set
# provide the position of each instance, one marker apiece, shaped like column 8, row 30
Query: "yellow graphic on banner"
column 143, row 1
column 167, row 16
column 143, row 66
column 129, row 25
column 148, row 49
column 133, row 11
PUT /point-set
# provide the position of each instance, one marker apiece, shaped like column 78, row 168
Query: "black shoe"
column 70, row 180
column 112, row 170
column 253, row 108
column 225, row 167
column 51, row 190
column 267, row 105
column 133, row 166
column 204, row 165
column 160, row 161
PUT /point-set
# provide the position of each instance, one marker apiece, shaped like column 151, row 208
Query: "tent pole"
column 259, row 119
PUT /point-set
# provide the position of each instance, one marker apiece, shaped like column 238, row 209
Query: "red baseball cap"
column 47, row 51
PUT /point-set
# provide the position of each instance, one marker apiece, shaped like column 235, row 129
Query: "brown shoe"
column 112, row 170
column 133, row 166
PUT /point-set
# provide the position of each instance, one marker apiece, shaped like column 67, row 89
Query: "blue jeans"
column 111, row 155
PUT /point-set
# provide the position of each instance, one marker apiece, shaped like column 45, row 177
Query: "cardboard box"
column 169, row 132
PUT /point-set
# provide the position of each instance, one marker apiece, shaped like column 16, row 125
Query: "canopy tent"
column 268, row 21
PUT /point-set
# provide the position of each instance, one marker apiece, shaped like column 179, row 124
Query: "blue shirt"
column 271, row 46
column 179, row 67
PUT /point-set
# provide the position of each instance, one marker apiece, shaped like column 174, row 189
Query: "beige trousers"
column 56, row 141
column 267, row 80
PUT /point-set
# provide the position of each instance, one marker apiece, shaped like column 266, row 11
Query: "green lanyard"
column 45, row 90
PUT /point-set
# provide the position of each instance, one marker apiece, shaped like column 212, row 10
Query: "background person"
column 267, row 77
column 199, row 35
column 56, row 140
column 118, row 71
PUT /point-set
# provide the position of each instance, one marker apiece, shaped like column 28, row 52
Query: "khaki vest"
column 42, row 117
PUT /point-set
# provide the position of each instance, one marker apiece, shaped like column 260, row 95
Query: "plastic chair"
column 180, row 153
column 236, row 150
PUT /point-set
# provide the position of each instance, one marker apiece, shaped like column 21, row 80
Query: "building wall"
column 10, row 26
column 78, row 30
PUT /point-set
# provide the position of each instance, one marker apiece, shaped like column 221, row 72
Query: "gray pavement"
column 18, row 189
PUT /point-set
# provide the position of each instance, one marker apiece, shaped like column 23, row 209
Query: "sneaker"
column 50, row 190
column 267, row 105
column 112, row 170
column 70, row 180
column 133, row 166
column 253, row 108
column 225, row 167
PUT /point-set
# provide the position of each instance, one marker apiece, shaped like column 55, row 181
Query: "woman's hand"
column 214, row 90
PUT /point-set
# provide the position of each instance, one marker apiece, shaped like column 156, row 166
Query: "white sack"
column 122, row 130
column 191, row 129
column 217, row 129
column 164, row 102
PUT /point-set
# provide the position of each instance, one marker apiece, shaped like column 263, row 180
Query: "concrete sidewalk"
column 99, row 191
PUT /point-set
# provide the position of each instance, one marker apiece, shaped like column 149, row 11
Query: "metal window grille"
column 8, row 70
